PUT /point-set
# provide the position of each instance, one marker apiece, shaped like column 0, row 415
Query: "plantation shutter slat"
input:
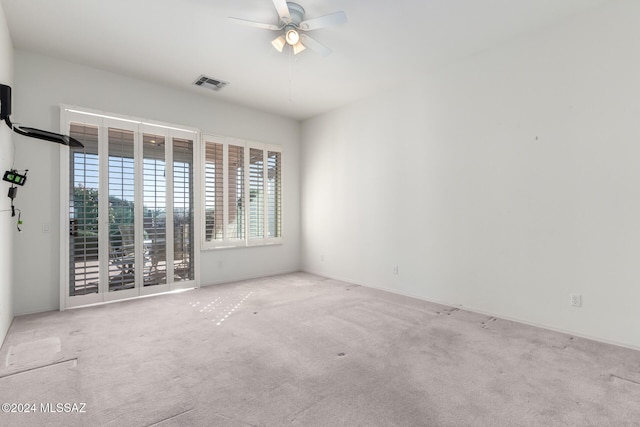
column 121, row 210
column 183, row 214
column 83, row 212
column 274, row 194
column 256, row 193
column 235, row 221
column 155, row 209
column 214, row 201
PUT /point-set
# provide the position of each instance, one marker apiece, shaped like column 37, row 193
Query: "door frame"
column 103, row 121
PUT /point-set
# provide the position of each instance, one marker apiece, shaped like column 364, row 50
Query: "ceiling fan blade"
column 255, row 24
column 314, row 45
column 330, row 20
column 283, row 10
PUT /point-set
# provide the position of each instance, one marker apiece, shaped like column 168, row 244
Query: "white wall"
column 502, row 183
column 7, row 223
column 42, row 83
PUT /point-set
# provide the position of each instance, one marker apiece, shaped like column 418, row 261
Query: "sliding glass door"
column 131, row 209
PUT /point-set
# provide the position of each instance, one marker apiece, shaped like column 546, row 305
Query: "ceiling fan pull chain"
column 290, row 71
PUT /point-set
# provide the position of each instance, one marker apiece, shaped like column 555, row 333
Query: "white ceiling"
column 172, row 42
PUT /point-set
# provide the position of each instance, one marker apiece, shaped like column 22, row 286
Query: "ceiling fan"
column 293, row 27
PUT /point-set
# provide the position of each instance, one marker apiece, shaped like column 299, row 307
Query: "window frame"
column 246, row 241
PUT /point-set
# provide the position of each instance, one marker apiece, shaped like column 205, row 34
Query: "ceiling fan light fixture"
column 297, row 48
column 292, row 37
column 279, row 43
column 292, row 27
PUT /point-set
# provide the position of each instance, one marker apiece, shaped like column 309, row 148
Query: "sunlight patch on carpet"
column 220, row 308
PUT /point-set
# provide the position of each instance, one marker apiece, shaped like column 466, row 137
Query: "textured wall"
column 502, row 183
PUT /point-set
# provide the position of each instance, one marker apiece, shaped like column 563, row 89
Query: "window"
column 242, row 193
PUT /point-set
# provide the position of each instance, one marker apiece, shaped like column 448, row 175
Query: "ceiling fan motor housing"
column 297, row 13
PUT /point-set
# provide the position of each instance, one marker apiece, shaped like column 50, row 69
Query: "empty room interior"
column 320, row 213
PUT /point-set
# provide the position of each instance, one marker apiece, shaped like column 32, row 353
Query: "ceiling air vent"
column 210, row 83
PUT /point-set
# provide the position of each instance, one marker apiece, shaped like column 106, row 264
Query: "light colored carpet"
column 302, row 350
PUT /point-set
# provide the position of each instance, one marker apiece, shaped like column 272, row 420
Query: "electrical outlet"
column 395, row 270
column 575, row 300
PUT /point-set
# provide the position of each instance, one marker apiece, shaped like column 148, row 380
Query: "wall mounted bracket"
column 5, row 112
